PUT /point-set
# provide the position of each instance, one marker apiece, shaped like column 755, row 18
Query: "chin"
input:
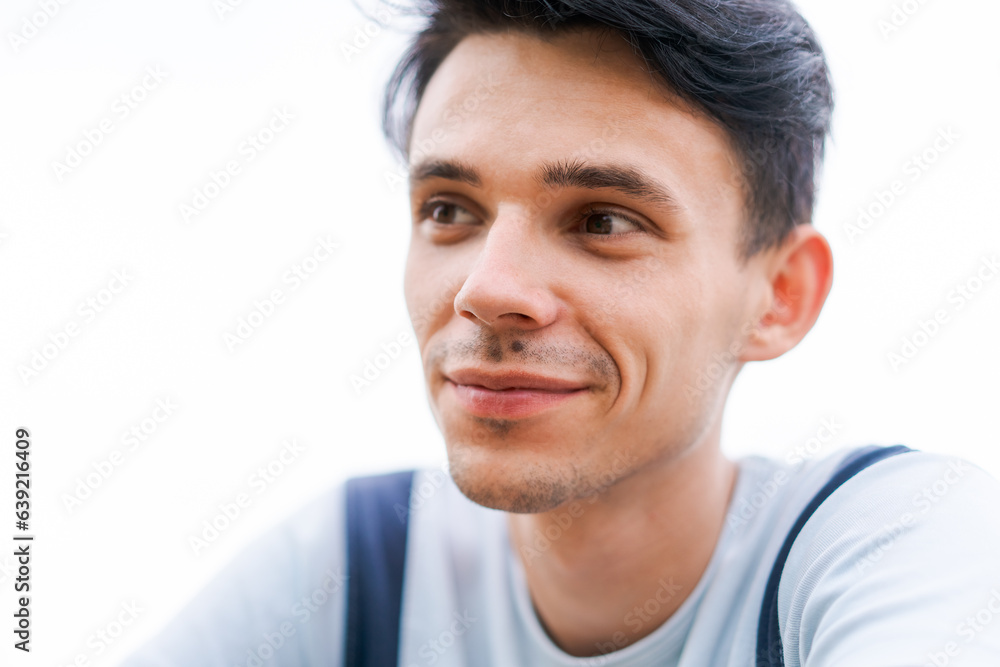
column 509, row 482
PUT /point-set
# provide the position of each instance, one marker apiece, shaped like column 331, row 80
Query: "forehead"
column 508, row 102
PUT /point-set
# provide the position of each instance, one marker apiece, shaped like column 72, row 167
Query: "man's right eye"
column 446, row 213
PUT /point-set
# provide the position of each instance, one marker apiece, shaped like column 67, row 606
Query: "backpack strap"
column 376, row 552
column 769, row 649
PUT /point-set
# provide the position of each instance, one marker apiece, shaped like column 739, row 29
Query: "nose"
column 509, row 283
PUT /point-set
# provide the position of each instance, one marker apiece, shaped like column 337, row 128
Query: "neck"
column 607, row 570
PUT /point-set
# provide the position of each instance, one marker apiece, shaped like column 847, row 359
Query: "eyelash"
column 428, row 207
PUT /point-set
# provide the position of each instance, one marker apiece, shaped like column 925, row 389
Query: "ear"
column 798, row 278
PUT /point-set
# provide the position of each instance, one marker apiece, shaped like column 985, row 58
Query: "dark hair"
column 754, row 66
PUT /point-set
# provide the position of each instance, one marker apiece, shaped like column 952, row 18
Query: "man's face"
column 573, row 274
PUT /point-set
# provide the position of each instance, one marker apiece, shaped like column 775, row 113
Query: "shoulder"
column 281, row 596
column 915, row 495
column 905, row 549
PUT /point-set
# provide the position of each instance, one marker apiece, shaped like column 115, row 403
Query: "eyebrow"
column 561, row 174
column 623, row 178
column 448, row 169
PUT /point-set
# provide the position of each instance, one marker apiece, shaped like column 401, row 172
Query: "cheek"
column 412, row 292
column 702, row 372
column 626, row 299
column 651, row 324
column 429, row 289
column 418, row 291
column 674, row 333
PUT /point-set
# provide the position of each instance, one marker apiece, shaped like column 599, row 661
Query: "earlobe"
column 800, row 276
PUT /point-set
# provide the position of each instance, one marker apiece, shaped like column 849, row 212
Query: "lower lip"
column 509, row 403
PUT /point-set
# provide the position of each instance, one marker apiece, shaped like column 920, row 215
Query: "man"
column 613, row 200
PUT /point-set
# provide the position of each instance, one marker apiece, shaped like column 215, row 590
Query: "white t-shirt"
column 899, row 567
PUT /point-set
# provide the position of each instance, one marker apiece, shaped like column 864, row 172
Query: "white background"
column 162, row 337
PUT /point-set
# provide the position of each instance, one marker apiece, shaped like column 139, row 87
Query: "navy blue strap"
column 769, row 649
column 376, row 551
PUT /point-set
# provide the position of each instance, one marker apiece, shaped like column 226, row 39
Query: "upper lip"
column 511, row 379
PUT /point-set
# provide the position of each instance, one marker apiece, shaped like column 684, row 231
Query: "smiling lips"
column 512, row 394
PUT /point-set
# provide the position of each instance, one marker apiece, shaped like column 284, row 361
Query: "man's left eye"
column 609, row 223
